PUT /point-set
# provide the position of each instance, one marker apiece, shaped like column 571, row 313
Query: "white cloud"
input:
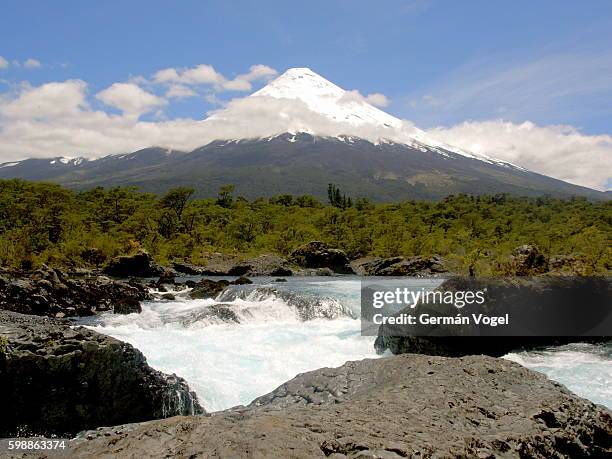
column 377, row 99
column 131, row 99
column 259, row 72
column 202, row 74
column 32, row 64
column 558, row 151
column 56, row 119
column 50, row 100
column 179, row 91
column 3, row 63
column 206, row 75
column 168, row 75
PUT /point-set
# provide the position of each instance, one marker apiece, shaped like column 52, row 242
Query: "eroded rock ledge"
column 402, row 406
column 58, row 380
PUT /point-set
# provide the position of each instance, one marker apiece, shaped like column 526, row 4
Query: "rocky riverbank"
column 54, row 293
column 315, row 258
column 59, row 380
column 402, row 406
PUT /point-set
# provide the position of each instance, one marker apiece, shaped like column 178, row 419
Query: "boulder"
column 402, row 406
column 188, row 268
column 399, row 266
column 139, row 264
column 242, row 281
column 127, row 306
column 49, row 292
column 527, row 260
column 263, row 265
column 207, row 288
column 529, row 300
column 317, row 254
column 167, row 277
column 57, row 380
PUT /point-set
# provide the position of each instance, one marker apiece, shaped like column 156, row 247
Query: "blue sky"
column 417, row 52
column 451, row 65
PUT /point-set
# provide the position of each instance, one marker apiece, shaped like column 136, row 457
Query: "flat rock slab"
column 402, row 406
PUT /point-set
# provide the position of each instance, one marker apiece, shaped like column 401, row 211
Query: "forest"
column 43, row 223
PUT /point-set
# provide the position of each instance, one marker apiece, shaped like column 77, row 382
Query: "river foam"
column 231, row 363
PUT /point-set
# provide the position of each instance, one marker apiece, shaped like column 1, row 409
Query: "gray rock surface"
column 402, row 406
column 218, row 264
column 59, row 380
column 399, row 266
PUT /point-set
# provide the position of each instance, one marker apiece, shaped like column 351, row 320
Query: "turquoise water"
column 231, row 364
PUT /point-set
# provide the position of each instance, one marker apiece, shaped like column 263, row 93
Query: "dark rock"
column 280, row 279
column 403, row 406
column 527, row 260
column 207, row 288
column 523, row 298
column 167, row 277
column 242, row 281
column 317, row 254
column 127, row 306
column 51, row 292
column 168, row 296
column 187, row 268
column 399, row 266
column 138, row 265
column 59, row 380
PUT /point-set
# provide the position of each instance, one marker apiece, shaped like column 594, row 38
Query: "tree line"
column 46, row 223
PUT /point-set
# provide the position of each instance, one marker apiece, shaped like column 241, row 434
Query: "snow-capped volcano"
column 297, row 135
column 325, row 98
column 347, row 115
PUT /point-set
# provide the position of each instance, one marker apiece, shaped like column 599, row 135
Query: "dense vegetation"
column 45, row 223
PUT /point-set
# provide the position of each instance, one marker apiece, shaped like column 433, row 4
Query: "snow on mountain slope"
column 350, row 109
column 326, row 98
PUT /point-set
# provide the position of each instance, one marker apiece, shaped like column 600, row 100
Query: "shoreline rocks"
column 218, row 264
column 402, row 406
column 50, row 292
column 58, row 380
